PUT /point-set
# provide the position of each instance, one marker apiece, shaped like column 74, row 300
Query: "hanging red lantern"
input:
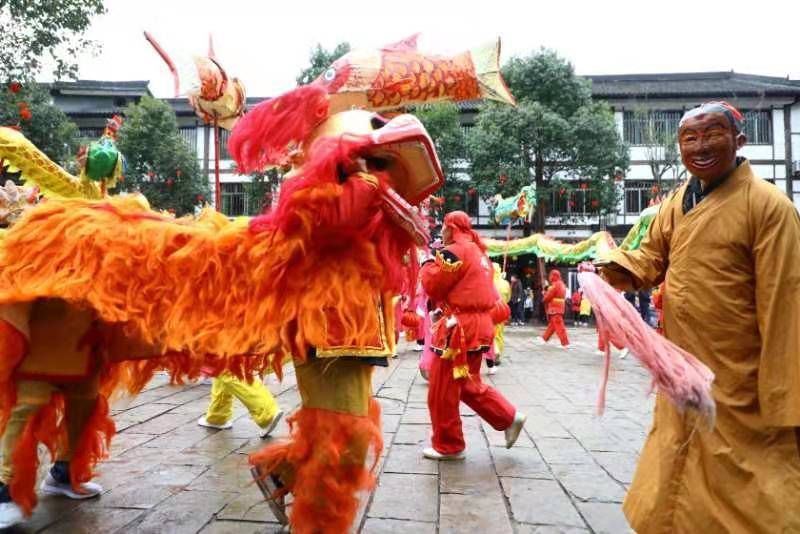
column 15, row 87
column 25, row 114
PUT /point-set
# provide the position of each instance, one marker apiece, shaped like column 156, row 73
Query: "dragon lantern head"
column 400, row 146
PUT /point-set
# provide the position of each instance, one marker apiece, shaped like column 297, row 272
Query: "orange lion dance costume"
column 311, row 280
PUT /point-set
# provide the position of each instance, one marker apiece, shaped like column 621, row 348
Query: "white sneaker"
column 204, row 422
column 87, row 490
column 492, row 370
column 512, row 432
column 624, row 354
column 418, row 348
column 267, row 430
column 540, row 340
column 432, row 454
column 563, row 347
column 10, row 515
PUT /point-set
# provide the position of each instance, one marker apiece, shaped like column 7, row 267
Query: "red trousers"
column 444, row 395
column 555, row 324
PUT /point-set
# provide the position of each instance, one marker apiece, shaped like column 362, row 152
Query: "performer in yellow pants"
column 255, row 396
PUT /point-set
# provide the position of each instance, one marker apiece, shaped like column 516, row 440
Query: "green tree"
column 557, row 138
column 159, row 164
column 443, row 124
column 659, row 136
column 261, row 190
column 36, row 31
column 319, row 60
column 43, row 124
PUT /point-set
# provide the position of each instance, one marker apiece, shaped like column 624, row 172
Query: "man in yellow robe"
column 728, row 245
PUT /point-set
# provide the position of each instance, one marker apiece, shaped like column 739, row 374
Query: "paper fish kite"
column 398, row 75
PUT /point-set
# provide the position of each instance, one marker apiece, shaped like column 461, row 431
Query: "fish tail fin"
column 486, row 59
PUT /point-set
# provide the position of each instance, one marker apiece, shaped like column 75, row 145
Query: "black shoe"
column 269, row 485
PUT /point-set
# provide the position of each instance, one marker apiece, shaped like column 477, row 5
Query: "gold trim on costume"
column 450, row 353
column 446, row 265
column 369, row 178
column 343, row 350
column 462, row 371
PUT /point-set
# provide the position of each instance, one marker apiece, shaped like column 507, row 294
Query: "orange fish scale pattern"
column 414, row 78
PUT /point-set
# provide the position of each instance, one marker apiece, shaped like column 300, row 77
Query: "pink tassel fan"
column 678, row 375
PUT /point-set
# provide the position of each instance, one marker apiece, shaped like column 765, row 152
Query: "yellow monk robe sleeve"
column 646, row 266
column 776, row 254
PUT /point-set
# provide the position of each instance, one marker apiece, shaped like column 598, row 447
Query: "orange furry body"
column 208, row 288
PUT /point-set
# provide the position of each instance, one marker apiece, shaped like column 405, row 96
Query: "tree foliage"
column 557, row 138
column 159, row 163
column 444, row 126
column 319, row 60
column 43, row 124
column 35, row 32
column 261, row 190
column 659, row 137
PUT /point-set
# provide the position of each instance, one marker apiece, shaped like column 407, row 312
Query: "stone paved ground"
column 567, row 473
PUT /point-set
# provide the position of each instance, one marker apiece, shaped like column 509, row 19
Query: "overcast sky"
column 266, row 43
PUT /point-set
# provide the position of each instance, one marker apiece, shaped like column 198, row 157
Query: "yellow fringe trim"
column 447, row 265
column 449, row 353
column 462, row 371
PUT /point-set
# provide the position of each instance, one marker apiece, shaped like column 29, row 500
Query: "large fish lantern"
column 280, row 131
column 398, row 75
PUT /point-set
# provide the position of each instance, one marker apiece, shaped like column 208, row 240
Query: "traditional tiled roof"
column 694, row 84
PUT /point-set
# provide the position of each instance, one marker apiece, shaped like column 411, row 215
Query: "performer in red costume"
column 554, row 301
column 460, row 281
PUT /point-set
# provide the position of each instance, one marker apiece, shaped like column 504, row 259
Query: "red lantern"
column 25, row 114
column 15, row 87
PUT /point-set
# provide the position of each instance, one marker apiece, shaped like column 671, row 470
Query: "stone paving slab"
column 567, row 473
